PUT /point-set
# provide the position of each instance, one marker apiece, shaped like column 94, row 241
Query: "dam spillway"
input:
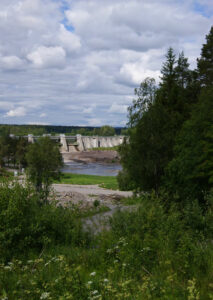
column 80, row 143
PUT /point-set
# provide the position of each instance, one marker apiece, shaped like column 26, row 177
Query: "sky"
column 77, row 62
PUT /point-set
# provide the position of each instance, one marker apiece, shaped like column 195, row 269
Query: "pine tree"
column 205, row 63
column 190, row 173
column 182, row 71
column 168, row 70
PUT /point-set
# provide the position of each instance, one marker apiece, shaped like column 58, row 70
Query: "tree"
column 44, row 161
column 155, row 118
column 190, row 173
column 5, row 146
column 147, row 153
column 168, row 71
column 205, row 63
column 21, row 149
column 182, row 71
column 146, row 95
column 107, row 130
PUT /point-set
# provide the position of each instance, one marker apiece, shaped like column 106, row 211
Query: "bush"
column 167, row 248
column 124, row 181
column 25, row 224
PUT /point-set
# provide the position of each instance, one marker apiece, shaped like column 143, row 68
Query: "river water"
column 91, row 168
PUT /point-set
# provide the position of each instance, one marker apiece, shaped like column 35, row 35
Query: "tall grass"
column 155, row 252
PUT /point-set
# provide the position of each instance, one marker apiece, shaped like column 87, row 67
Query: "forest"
column 21, row 130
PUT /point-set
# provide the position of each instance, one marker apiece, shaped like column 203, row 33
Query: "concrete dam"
column 81, row 143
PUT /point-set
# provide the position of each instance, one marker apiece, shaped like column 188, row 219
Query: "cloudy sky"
column 77, row 62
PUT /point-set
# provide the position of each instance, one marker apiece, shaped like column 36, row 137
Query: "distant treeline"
column 68, row 130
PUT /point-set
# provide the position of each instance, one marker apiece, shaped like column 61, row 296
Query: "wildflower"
column 7, row 268
column 106, row 280
column 89, row 282
column 30, row 261
column 44, row 295
column 93, row 274
column 94, row 292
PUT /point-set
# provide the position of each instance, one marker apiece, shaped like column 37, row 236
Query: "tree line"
column 38, row 130
column 171, row 130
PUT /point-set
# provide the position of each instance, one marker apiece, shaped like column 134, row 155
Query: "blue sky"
column 77, row 62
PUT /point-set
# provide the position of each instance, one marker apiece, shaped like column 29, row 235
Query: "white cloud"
column 118, row 108
column 94, row 122
column 42, row 115
column 88, row 110
column 38, row 123
column 17, row 112
column 5, row 105
column 81, row 65
column 136, row 73
column 69, row 40
column 48, row 57
column 11, row 62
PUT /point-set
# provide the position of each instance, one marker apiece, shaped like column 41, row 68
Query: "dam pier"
column 78, row 142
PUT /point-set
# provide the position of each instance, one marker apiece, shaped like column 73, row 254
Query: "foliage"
column 38, row 130
column 124, row 181
column 25, row 224
column 155, row 118
column 146, row 94
column 44, row 161
column 205, row 62
column 190, row 173
column 108, row 182
column 106, row 130
column 170, row 129
column 150, row 253
column 5, row 143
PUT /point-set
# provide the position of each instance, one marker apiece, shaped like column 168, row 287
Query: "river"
column 91, row 168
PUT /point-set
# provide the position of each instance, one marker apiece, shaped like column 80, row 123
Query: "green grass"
column 108, row 182
column 115, row 148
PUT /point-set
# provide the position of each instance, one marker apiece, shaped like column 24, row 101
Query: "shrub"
column 124, row 181
column 26, row 224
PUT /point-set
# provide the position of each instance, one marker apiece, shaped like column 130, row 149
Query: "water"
column 91, row 168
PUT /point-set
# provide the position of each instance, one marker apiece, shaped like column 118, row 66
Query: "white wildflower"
column 93, row 274
column 44, row 295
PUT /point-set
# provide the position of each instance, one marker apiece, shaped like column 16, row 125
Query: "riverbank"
column 108, row 156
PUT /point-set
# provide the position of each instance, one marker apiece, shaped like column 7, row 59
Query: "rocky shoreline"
column 100, row 156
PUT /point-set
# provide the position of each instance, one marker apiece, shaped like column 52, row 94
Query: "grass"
column 115, row 148
column 152, row 253
column 108, row 182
